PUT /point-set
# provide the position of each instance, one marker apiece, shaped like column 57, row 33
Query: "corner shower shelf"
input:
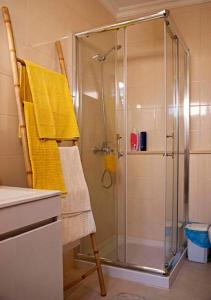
column 159, row 153
column 145, row 152
column 200, row 151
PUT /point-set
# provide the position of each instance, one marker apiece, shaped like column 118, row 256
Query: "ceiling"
column 127, row 8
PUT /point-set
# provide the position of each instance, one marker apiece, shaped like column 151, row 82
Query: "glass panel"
column 176, row 132
column 146, row 169
column 137, row 195
column 182, row 136
column 172, row 134
column 121, row 144
column 101, row 94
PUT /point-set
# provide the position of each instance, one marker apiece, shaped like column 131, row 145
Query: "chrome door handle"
column 171, row 136
column 118, row 138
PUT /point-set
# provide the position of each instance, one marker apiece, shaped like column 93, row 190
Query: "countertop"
column 10, row 196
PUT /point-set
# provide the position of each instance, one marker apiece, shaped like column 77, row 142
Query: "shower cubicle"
column 131, row 76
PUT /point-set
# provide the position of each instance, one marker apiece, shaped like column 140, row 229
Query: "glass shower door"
column 100, row 59
column 146, row 169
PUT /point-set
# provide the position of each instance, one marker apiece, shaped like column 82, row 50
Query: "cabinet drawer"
column 31, row 265
column 17, row 216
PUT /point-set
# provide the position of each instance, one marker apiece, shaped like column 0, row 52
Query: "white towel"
column 77, row 217
column 77, row 199
column 77, row 227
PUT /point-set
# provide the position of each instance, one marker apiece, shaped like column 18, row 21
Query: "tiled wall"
column 36, row 25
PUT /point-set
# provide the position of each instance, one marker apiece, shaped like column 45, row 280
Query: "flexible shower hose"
column 106, row 186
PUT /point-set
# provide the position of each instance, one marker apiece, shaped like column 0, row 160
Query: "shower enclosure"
column 134, row 76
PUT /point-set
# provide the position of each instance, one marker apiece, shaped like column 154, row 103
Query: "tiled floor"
column 192, row 283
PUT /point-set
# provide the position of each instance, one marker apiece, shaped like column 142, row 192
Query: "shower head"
column 102, row 57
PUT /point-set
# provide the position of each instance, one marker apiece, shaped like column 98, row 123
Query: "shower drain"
column 126, row 296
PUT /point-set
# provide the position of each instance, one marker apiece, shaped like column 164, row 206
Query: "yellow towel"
column 110, row 163
column 24, row 85
column 53, row 106
column 44, row 156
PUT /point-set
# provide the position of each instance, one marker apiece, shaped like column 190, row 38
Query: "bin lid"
column 197, row 227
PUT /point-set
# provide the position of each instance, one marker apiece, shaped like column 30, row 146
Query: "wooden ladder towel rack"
column 16, row 81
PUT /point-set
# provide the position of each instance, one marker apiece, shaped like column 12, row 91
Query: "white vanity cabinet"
column 30, row 245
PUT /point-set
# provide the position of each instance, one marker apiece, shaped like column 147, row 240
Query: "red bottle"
column 134, row 140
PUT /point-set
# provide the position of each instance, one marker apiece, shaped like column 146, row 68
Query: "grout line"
column 9, row 115
column 5, row 74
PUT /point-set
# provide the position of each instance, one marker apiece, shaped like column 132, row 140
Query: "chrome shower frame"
column 171, row 28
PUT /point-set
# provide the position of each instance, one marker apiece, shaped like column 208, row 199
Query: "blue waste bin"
column 198, row 241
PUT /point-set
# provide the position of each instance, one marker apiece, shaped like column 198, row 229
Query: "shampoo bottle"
column 143, row 141
column 134, row 140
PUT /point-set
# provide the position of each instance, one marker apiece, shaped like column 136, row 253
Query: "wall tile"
column 7, row 96
column 195, row 93
column 205, row 92
column 17, row 12
column 12, row 172
column 10, row 143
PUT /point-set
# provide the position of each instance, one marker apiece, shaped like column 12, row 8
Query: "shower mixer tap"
column 105, row 149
